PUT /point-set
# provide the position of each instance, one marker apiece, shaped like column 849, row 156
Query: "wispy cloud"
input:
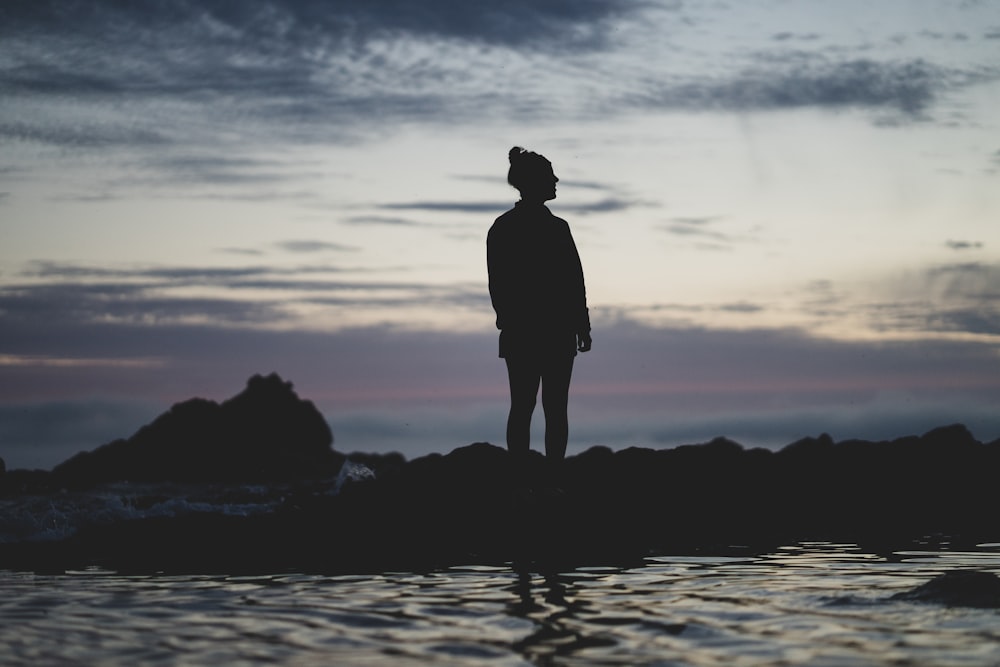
column 563, row 183
column 964, row 245
column 179, row 274
column 68, row 296
column 393, row 221
column 312, row 246
column 961, row 299
column 448, row 206
column 61, row 304
column 246, row 252
column 193, row 168
column 43, row 361
column 789, row 80
column 607, row 205
column 202, row 83
column 299, row 67
column 641, row 381
column 710, row 232
column 81, row 134
column 273, row 25
column 695, row 226
column 793, row 36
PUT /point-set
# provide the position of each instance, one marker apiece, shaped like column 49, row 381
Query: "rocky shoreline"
column 467, row 506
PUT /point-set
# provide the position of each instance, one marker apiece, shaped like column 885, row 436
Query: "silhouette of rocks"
column 468, row 506
column 621, row 506
column 266, row 432
column 958, row 588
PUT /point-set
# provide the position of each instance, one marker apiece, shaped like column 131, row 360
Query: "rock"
column 266, row 432
column 953, row 437
column 809, row 447
column 469, row 506
column 958, row 588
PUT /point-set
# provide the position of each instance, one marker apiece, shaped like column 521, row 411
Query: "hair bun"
column 515, row 152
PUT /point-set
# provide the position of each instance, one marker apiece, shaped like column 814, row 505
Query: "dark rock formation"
column 264, row 433
column 468, row 506
column 958, row 588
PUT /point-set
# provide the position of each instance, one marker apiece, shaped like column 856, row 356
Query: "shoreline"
column 253, row 484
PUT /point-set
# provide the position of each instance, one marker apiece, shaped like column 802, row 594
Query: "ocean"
column 813, row 603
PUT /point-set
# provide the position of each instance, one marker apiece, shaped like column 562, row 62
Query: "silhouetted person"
column 538, row 293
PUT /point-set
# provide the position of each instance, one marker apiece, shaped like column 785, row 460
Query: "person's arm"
column 497, row 263
column 580, row 310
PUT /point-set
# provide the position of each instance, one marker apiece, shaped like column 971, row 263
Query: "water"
column 805, row 604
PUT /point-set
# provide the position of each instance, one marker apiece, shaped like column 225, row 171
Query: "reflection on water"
column 555, row 632
column 805, row 604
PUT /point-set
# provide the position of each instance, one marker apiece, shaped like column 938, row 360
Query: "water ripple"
column 806, row 604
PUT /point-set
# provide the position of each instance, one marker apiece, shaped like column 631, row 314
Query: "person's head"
column 532, row 175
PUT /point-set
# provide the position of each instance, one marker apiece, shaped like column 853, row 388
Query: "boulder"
column 266, row 432
column 958, row 588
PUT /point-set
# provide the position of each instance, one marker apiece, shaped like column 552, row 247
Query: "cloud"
column 563, row 183
column 695, row 226
column 381, row 220
column 698, row 221
column 939, row 36
column 274, row 25
column 448, row 206
column 81, row 134
column 789, row 81
column 313, row 68
column 36, row 361
column 607, row 205
column 311, row 246
column 385, row 387
column 77, row 294
column 968, row 280
column 60, row 304
column 176, row 75
column 959, row 298
column 584, row 185
column 742, row 307
column 963, row 245
column 704, row 233
column 246, row 252
column 189, row 169
column 791, row 36
column 943, row 301
column 180, row 274
column 233, row 297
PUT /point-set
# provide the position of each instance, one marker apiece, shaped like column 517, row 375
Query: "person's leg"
column 524, row 379
column 555, row 403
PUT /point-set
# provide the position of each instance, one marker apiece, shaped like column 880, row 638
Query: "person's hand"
column 583, row 341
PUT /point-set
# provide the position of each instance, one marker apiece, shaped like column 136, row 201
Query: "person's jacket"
column 536, row 280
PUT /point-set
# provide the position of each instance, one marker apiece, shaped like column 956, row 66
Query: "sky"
column 786, row 212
